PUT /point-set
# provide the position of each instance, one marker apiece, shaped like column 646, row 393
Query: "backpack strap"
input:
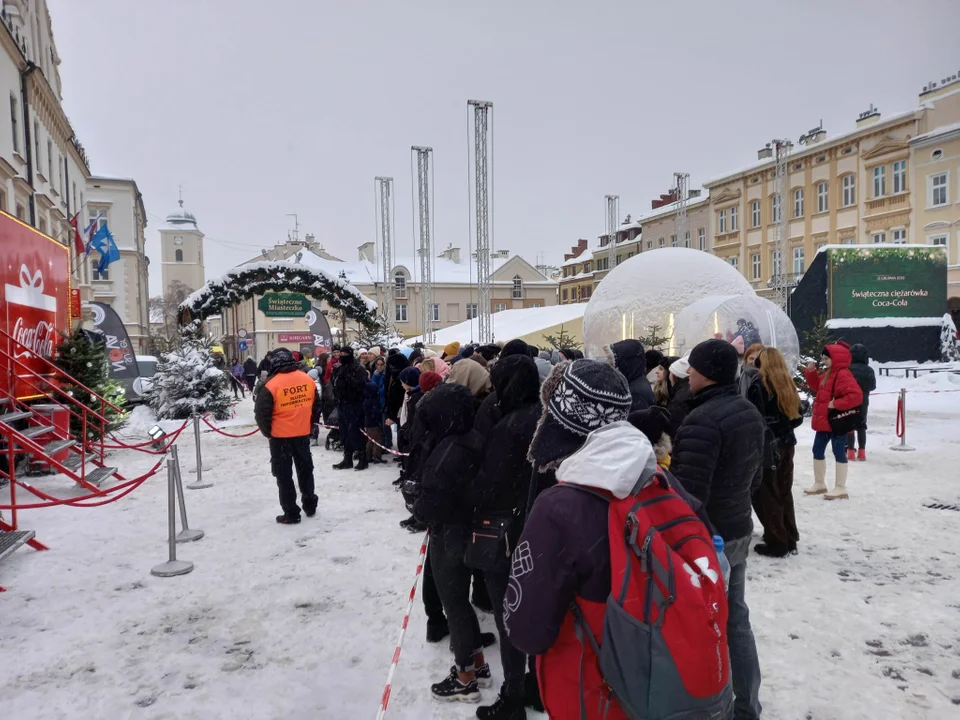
column 589, row 491
column 582, row 629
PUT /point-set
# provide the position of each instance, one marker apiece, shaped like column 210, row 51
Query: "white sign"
column 241, row 333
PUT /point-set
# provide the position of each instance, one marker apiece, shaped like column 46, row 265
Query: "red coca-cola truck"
column 35, row 298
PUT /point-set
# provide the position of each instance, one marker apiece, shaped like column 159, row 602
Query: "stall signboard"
column 294, row 337
column 898, row 281
column 284, row 305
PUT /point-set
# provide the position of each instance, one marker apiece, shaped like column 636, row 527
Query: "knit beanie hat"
column 651, row 422
column 489, row 352
column 681, row 367
column 716, row 360
column 281, row 359
column 514, row 347
column 429, row 380
column 451, row 349
column 410, row 376
column 652, row 358
column 578, row 397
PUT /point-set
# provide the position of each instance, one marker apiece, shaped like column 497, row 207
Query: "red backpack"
column 663, row 653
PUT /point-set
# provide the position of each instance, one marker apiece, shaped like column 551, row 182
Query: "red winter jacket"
column 837, row 384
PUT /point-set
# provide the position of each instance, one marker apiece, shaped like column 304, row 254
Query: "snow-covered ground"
column 301, row 621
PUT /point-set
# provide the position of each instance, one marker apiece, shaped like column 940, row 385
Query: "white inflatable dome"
column 754, row 318
column 652, row 288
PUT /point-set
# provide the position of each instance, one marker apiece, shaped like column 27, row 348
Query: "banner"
column 319, row 330
column 283, row 305
column 121, row 360
column 888, row 282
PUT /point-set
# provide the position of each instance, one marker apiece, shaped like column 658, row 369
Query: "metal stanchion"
column 173, row 566
column 902, row 423
column 199, row 484
column 187, row 534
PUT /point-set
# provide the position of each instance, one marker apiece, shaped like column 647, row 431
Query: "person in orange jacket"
column 285, row 410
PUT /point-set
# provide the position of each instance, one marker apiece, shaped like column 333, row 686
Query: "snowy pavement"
column 301, row 621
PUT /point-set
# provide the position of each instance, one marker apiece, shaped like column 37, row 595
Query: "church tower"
column 181, row 244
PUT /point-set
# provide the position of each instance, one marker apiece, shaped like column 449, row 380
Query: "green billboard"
column 888, row 282
column 284, row 305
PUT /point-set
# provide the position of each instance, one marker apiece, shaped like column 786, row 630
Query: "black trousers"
column 431, row 597
column 514, row 661
column 453, row 583
column 351, row 420
column 285, row 453
column 774, row 502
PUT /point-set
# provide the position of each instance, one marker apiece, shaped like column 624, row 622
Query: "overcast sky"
column 260, row 109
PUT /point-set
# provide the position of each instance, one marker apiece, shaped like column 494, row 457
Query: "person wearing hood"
column 348, row 389
column 718, row 458
column 628, row 357
column 474, row 377
column 563, row 554
column 437, row 365
column 500, row 490
column 285, row 411
column 394, row 394
column 410, row 380
column 488, row 414
column 867, row 380
column 836, row 389
column 653, row 359
column 250, row 373
column 449, row 455
column 680, row 395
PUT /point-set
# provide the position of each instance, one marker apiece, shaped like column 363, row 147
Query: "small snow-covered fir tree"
column 381, row 334
column 188, row 382
column 654, row 340
column 949, row 352
column 84, row 359
column 563, row 340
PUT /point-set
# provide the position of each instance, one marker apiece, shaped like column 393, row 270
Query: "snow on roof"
column 509, row 324
column 936, row 132
column 692, row 202
column 581, row 258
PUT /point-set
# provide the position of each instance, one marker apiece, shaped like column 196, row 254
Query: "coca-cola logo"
column 38, row 340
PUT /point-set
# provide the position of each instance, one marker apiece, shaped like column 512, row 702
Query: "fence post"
column 199, row 484
column 173, row 566
column 902, row 423
column 187, row 534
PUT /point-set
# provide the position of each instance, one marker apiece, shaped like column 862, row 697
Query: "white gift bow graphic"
column 30, row 292
column 35, row 282
column 705, row 571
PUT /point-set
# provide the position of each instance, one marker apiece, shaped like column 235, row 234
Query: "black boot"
column 346, row 463
column 362, row 463
column 771, row 549
column 288, row 519
column 437, row 630
column 505, row 708
column 531, row 692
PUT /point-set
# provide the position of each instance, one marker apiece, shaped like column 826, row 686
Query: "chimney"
column 933, row 90
column 813, row 136
column 452, row 254
column 765, row 153
column 870, row 116
column 582, row 245
column 368, row 252
column 310, row 239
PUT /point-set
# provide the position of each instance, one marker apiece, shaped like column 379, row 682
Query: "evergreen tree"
column 811, row 348
column 654, row 341
column 84, row 358
column 949, row 352
column 562, row 340
column 187, row 380
column 382, row 334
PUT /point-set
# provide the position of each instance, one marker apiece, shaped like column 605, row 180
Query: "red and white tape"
column 385, row 700
column 384, row 447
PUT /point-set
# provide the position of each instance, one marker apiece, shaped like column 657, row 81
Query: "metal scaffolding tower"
column 425, row 250
column 384, row 213
column 680, row 225
column 613, row 217
column 781, row 286
column 482, row 130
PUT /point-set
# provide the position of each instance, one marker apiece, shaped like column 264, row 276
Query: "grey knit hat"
column 578, row 397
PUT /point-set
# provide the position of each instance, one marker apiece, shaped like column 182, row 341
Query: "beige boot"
column 819, row 478
column 839, row 491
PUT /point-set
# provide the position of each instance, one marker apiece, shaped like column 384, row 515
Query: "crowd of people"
column 519, row 460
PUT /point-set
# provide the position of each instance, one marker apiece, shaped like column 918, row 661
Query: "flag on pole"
column 103, row 242
column 77, row 238
column 89, row 231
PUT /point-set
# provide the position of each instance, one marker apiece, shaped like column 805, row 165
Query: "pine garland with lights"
column 84, row 359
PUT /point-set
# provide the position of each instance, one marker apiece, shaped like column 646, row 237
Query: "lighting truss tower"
column 482, row 140
column 680, row 225
column 613, row 216
column 425, row 250
column 384, row 187
column 781, row 287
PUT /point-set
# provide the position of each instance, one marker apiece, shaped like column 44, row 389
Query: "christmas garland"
column 933, row 255
column 244, row 282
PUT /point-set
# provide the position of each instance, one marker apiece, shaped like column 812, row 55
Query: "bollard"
column 187, row 534
column 902, row 423
column 199, row 484
column 173, row 566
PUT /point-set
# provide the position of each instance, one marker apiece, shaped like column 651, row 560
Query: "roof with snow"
column 180, row 218
column 692, row 202
column 509, row 324
column 936, row 133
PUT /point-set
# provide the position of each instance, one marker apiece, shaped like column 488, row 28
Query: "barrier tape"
column 384, row 447
column 139, row 446
column 229, row 435
column 384, row 701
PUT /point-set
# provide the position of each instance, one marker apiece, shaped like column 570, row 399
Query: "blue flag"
column 103, row 243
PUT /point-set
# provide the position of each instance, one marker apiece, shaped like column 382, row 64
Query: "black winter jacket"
column 629, row 359
column 348, row 383
column 393, row 388
column 780, row 425
column 488, row 414
column 503, row 483
column 447, row 456
column 372, row 415
column 865, row 376
column 405, row 431
column 681, row 396
column 717, row 457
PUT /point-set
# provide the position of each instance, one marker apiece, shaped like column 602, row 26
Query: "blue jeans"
column 744, row 663
column 838, row 443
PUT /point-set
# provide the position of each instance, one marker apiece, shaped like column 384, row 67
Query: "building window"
column 755, row 262
column 472, row 308
column 21, row 213
column 178, row 255
column 849, row 241
column 900, row 176
column 400, row 287
column 879, row 238
column 649, row 244
column 42, row 225
column 517, row 287
column 3, row 201
column 619, row 259
column 673, row 241
column 776, row 263
column 798, row 261
column 938, row 190
column 941, row 241
column 499, row 307
column 849, row 190
column 400, row 312
column 686, row 239
column 702, row 238
column 61, row 162
column 435, row 312
column 734, row 262
column 97, row 275
column 936, row 154
column 734, row 212
column 14, row 124
column 563, row 295
column 630, row 255
column 755, row 214
column 880, row 181
column 49, row 162
column 535, row 305
column 775, row 204
column 722, row 222
column 823, row 201
column 900, row 236
column 660, row 242
column 36, row 142
column 798, row 203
